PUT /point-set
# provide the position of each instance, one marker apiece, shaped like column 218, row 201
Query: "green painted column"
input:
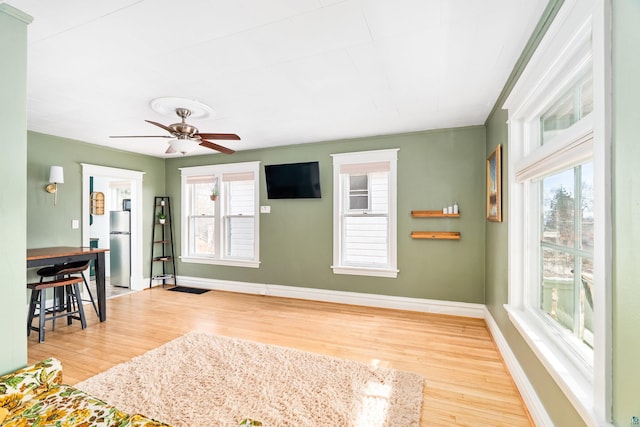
column 626, row 210
column 13, row 175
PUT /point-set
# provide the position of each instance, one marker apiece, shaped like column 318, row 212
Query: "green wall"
column 13, row 206
column 626, row 210
column 50, row 225
column 434, row 168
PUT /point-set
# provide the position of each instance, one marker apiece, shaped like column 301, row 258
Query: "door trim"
column 89, row 170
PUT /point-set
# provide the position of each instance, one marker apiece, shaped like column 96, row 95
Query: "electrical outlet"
column 75, row 224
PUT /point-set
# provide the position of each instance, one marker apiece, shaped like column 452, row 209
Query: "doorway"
column 119, row 185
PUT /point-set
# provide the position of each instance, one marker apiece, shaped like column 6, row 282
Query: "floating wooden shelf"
column 433, row 214
column 443, row 235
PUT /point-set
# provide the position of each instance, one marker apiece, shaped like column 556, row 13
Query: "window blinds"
column 237, row 176
column 364, row 168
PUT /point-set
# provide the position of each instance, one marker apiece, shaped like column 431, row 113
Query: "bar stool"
column 61, row 270
column 73, row 304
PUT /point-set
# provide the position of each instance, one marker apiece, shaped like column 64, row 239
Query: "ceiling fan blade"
column 141, row 136
column 160, row 125
column 225, row 136
column 170, row 150
column 216, row 147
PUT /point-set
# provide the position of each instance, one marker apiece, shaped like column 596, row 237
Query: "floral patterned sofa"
column 35, row 396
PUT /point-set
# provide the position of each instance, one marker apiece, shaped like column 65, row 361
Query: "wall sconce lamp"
column 56, row 176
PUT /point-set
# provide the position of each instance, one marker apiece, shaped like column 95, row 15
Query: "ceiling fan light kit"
column 183, row 146
column 187, row 137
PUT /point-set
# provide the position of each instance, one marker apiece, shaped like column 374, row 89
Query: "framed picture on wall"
column 494, row 187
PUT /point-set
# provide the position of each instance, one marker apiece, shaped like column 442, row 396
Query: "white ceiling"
column 276, row 72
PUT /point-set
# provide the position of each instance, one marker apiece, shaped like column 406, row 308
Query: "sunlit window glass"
column 571, row 107
column 567, row 251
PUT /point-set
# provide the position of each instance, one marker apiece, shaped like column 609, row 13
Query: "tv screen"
column 293, row 181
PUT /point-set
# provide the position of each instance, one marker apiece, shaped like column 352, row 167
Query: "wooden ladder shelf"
column 162, row 250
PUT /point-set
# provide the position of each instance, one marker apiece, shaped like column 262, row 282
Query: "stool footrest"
column 54, row 283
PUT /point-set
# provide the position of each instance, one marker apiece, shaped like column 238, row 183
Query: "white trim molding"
column 89, row 170
column 532, row 401
column 452, row 308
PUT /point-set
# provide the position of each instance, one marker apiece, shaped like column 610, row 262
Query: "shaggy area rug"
column 202, row 379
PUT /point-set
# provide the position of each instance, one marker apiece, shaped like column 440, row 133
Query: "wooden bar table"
column 38, row 257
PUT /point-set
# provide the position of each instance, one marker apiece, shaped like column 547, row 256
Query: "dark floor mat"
column 188, row 290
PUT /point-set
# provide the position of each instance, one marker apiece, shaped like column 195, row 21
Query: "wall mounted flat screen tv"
column 293, row 181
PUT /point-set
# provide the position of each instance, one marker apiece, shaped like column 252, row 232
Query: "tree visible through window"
column 567, row 251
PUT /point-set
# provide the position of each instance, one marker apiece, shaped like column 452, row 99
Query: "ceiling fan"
column 187, row 137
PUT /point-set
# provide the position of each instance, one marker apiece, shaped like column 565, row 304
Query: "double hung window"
column 559, row 280
column 365, row 213
column 225, row 230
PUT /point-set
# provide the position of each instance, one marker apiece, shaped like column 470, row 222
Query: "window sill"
column 226, row 262
column 365, row 271
column 565, row 370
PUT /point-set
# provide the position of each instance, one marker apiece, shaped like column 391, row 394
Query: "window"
column 559, row 279
column 225, row 230
column 571, row 107
column 239, row 218
column 359, row 192
column 364, row 188
column 566, row 255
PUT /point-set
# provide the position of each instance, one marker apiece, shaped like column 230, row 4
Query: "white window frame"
column 391, row 156
column 220, row 258
column 579, row 32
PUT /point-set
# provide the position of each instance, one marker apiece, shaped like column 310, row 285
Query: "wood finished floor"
column 466, row 382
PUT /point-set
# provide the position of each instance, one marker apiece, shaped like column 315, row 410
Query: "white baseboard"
column 138, row 283
column 353, row 298
column 536, row 408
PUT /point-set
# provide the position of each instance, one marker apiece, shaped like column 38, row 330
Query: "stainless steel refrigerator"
column 120, row 248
